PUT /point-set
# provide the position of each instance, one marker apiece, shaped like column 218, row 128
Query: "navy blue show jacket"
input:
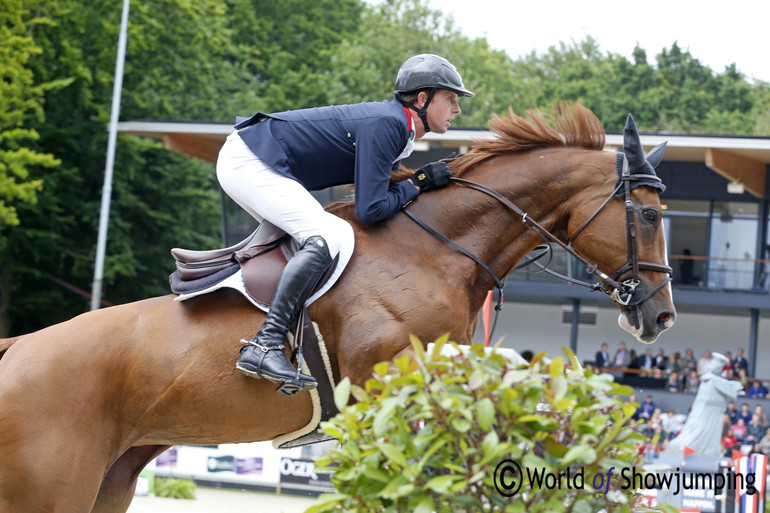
column 341, row 144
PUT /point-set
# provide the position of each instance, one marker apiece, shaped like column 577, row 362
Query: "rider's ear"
column 422, row 97
column 656, row 154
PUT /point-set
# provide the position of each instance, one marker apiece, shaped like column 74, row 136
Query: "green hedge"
column 437, row 433
column 174, row 488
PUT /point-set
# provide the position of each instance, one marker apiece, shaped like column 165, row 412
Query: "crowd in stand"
column 681, row 372
column 743, row 429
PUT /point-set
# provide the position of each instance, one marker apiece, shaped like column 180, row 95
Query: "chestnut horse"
column 86, row 404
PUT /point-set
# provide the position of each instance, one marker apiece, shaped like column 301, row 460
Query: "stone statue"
column 702, row 430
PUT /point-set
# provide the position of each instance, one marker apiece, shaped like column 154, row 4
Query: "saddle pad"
column 235, row 281
column 322, row 397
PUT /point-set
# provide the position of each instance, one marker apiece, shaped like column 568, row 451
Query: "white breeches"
column 268, row 195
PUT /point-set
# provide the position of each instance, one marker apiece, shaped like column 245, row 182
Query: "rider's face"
column 442, row 110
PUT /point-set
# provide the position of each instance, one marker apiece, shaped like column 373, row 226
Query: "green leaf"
column 381, row 368
column 461, row 425
column 342, row 393
column 381, row 420
column 393, row 453
column 440, row 484
column 559, row 387
column 573, row 360
column 583, row 453
column 490, row 443
column 557, row 367
column 418, row 347
column 399, row 486
column 426, row 505
column 485, row 413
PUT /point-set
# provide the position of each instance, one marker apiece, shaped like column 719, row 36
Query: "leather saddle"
column 261, row 256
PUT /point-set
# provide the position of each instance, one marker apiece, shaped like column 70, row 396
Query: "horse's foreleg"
column 117, row 490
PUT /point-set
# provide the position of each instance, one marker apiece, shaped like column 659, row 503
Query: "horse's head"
column 628, row 229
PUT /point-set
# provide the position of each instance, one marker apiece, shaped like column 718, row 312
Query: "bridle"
column 627, row 293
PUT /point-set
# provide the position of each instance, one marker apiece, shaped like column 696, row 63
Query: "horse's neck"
column 549, row 186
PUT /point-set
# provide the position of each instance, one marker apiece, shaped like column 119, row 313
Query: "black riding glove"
column 432, row 176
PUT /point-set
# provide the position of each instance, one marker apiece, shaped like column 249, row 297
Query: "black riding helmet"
column 431, row 72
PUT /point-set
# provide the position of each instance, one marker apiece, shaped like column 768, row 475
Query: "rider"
column 271, row 161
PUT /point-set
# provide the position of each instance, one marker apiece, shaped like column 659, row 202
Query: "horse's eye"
column 650, row 215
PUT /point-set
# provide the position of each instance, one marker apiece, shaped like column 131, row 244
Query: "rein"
column 626, row 293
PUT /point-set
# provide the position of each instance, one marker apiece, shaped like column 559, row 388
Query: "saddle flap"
column 261, row 275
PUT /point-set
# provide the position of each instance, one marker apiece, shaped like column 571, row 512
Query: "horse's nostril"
column 666, row 319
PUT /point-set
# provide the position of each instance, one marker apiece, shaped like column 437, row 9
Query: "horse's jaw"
column 644, row 329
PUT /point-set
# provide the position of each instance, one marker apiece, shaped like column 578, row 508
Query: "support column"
column 753, row 337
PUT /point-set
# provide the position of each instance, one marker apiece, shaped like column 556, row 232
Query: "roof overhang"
column 742, row 160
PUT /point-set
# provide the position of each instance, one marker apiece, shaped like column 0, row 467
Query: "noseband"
column 629, row 292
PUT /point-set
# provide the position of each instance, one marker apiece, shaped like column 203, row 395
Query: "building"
column 717, row 208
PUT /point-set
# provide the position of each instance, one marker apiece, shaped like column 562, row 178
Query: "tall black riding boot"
column 263, row 356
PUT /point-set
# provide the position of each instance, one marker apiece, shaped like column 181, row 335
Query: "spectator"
column 648, row 408
column 647, row 361
column 728, row 366
column 756, row 390
column 731, row 412
column 743, row 378
column 660, row 359
column 729, row 442
column 656, row 418
column 739, row 430
column 672, row 423
column 647, row 429
column 755, row 431
column 602, row 358
column 704, row 363
column 673, row 363
column 633, row 364
column 745, row 414
column 764, row 444
column 762, row 417
column 689, row 362
column 692, row 383
column 739, row 362
column 673, row 384
column 622, row 357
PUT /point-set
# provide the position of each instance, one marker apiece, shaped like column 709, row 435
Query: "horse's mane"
column 569, row 124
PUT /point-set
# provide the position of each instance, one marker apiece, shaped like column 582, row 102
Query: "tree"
column 21, row 100
column 21, row 104
column 160, row 200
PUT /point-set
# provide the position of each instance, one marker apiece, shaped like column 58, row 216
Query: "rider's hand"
column 432, row 176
